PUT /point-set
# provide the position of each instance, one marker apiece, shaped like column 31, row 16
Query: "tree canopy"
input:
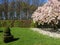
column 47, row 13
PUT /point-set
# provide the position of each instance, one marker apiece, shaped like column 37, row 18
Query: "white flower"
column 47, row 12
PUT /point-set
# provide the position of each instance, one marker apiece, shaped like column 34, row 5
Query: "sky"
column 41, row 1
column 0, row 1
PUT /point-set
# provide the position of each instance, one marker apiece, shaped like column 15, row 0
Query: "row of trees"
column 17, row 9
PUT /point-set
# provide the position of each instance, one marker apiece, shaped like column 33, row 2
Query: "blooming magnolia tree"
column 48, row 13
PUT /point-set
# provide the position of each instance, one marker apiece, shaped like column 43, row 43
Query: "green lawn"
column 29, row 37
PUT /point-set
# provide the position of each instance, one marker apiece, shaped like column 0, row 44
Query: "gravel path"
column 51, row 34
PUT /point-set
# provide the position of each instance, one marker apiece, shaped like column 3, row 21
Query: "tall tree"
column 5, row 2
column 0, row 11
column 27, row 1
column 12, row 9
column 18, row 8
column 48, row 14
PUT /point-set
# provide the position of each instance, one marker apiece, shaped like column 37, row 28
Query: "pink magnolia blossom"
column 47, row 13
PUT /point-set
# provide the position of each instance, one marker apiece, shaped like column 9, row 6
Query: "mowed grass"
column 28, row 37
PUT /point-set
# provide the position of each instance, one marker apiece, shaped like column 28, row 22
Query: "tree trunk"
column 6, row 8
column 55, row 28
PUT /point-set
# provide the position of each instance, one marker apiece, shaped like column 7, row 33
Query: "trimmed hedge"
column 47, row 25
column 15, row 23
column 23, row 23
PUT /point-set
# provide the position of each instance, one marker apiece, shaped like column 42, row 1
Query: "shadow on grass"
column 1, row 31
column 15, row 39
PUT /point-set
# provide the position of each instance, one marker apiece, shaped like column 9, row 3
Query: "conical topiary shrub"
column 1, row 30
column 7, row 35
